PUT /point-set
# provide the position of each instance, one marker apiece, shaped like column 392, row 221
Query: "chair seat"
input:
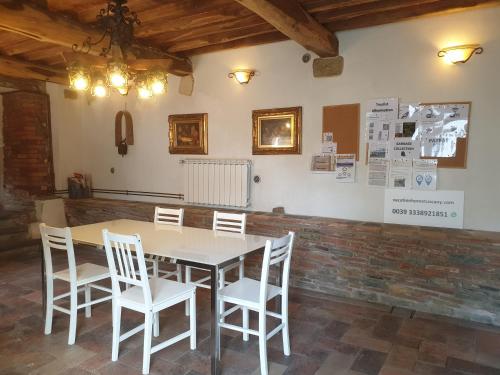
column 162, row 291
column 85, row 273
column 246, row 292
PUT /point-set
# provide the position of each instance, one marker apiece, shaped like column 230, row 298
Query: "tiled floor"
column 329, row 336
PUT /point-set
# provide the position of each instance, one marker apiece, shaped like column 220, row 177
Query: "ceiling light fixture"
column 242, row 76
column 460, row 54
column 117, row 23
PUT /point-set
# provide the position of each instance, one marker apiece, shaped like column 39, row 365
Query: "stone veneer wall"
column 443, row 271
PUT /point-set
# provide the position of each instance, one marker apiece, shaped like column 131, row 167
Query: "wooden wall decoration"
column 343, row 122
column 120, row 141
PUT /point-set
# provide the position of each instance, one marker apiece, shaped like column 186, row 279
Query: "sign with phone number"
column 441, row 208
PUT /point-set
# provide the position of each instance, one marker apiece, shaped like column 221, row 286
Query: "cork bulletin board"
column 343, row 122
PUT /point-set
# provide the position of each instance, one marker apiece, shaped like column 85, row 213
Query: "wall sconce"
column 460, row 54
column 242, row 76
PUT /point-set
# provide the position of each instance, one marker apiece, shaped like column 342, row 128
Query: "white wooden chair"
column 253, row 295
column 173, row 217
column 222, row 222
column 147, row 295
column 80, row 278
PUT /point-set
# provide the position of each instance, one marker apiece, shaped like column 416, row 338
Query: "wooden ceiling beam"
column 12, row 67
column 37, row 23
column 288, row 17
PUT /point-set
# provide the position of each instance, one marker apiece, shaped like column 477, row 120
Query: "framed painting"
column 277, row 131
column 188, row 134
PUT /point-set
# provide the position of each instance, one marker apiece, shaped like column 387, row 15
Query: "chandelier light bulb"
column 144, row 92
column 158, row 87
column 123, row 90
column 81, row 83
column 117, row 79
column 100, row 90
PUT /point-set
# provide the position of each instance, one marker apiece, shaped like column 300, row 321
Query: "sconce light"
column 242, row 76
column 460, row 54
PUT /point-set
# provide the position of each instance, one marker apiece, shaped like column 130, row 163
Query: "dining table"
column 196, row 247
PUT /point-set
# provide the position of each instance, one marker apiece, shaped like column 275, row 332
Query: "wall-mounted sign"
column 440, row 208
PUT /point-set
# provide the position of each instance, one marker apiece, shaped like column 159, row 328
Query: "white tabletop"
column 185, row 243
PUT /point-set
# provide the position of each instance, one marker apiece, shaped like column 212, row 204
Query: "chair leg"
column 73, row 315
column 179, row 273
column 242, row 269
column 155, row 267
column 192, row 321
column 263, row 342
column 284, row 320
column 156, row 324
column 245, row 321
column 148, row 322
column 117, row 312
column 50, row 306
column 222, row 305
column 188, row 280
column 88, row 309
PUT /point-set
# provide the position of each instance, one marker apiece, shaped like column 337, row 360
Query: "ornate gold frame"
column 202, row 120
column 295, row 115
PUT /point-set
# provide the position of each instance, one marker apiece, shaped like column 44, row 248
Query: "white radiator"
column 217, row 182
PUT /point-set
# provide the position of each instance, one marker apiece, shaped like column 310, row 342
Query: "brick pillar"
column 28, row 144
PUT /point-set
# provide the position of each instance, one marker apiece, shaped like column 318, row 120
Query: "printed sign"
column 444, row 209
column 385, row 108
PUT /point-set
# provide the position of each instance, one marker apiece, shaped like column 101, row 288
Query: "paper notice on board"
column 400, row 176
column 323, row 162
column 403, row 129
column 329, row 148
column 378, row 150
column 346, row 168
column 377, row 130
column 435, row 142
column 456, row 119
column 327, row 137
column 378, row 170
column 425, row 174
column 404, row 148
column 432, row 113
column 384, row 108
column 409, row 111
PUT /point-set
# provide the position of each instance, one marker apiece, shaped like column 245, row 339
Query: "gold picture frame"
column 277, row 131
column 188, row 134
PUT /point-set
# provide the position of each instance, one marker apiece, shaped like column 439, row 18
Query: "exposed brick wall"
column 444, row 271
column 28, row 145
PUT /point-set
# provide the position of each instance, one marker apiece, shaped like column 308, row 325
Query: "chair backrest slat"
column 276, row 251
column 169, row 216
column 121, row 247
column 228, row 222
column 60, row 239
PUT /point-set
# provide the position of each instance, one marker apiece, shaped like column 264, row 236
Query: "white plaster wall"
column 392, row 60
column 67, row 145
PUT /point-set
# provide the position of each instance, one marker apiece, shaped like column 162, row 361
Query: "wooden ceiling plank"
column 220, row 38
column 401, row 14
column 12, row 67
column 34, row 22
column 317, row 6
column 272, row 37
column 291, row 19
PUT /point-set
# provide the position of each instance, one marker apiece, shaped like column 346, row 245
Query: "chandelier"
column 111, row 70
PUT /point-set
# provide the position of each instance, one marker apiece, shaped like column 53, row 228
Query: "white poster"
column 378, row 170
column 404, row 148
column 432, row 113
column 437, row 143
column 400, row 176
column 329, row 148
column 384, row 108
column 444, row 209
column 346, row 168
column 425, row 174
column 377, row 130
